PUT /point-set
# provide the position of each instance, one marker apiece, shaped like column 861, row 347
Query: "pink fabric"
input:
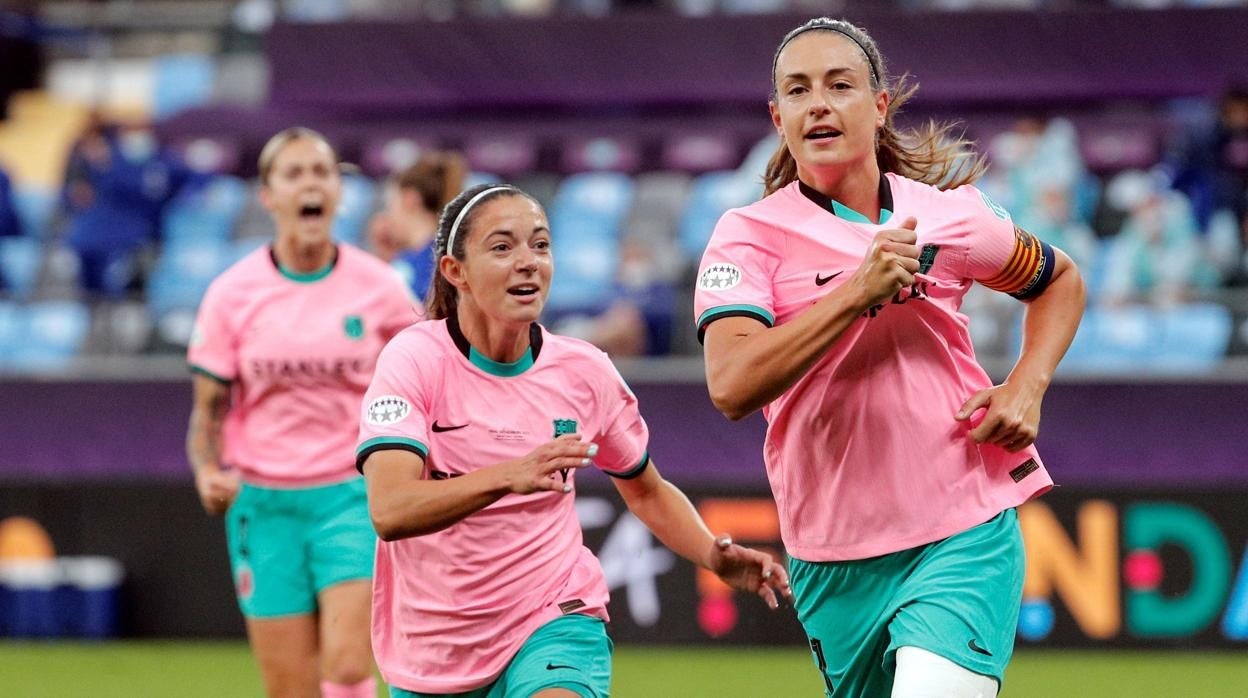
column 299, row 356
column 863, row 453
column 364, row 689
column 450, row 609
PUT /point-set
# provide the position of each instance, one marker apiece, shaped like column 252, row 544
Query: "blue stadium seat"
column 474, row 178
column 11, row 332
column 599, row 200
column 35, row 208
column 53, row 334
column 359, row 198
column 586, row 257
column 183, row 272
column 181, row 81
column 1193, row 337
column 712, row 194
column 20, row 260
column 209, row 212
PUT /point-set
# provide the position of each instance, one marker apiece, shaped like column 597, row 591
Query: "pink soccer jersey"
column 451, row 608
column 299, row 350
column 863, row 453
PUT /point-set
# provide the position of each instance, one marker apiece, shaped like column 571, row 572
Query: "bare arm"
column 749, row 364
column 1051, row 319
column 668, row 514
column 402, row 504
column 210, row 403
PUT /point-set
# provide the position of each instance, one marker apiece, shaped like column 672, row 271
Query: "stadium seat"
column 35, row 209
column 210, row 154
column 11, row 332
column 183, row 272
column 696, row 153
column 599, row 154
column 712, row 194
column 20, row 261
column 359, row 201
column 507, row 155
column 208, row 213
column 597, row 200
column 386, row 155
column 181, row 81
column 53, row 334
column 1194, row 338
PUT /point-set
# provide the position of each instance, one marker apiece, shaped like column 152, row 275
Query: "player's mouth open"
column 820, row 133
column 307, row 211
column 523, row 290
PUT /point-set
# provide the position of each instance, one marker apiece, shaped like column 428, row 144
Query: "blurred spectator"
column 117, row 182
column 1051, row 217
column 10, row 224
column 1211, row 164
column 1034, row 154
column 403, row 233
column 1158, row 256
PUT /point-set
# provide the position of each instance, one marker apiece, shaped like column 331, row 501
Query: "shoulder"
column 362, row 262
column 241, row 277
column 420, row 341
column 577, row 358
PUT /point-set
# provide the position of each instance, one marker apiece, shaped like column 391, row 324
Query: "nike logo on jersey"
column 821, row 280
column 438, row 428
column 552, row 667
column 976, row 648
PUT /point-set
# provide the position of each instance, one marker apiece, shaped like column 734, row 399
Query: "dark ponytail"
column 444, row 297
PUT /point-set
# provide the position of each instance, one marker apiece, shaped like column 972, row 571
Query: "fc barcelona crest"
column 353, row 325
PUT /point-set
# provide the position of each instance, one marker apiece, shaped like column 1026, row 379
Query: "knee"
column 347, row 665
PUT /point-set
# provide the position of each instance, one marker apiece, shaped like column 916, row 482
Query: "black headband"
column 826, row 25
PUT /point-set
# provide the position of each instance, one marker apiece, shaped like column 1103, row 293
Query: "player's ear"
column 453, row 270
column 266, row 197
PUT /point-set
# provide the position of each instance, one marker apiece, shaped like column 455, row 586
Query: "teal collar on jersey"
column 840, row 210
column 490, row 366
column 304, row 277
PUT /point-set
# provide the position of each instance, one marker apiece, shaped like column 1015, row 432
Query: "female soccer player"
column 471, row 435
column 285, row 344
column 832, row 304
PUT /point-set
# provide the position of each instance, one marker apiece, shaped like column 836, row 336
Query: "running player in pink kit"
column 832, row 304
column 284, row 346
column 470, row 438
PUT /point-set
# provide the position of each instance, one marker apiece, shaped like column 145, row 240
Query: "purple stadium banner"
column 659, row 59
column 1124, row 435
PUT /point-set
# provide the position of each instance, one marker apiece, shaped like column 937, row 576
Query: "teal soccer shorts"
column 287, row 545
column 958, row 598
column 571, row 652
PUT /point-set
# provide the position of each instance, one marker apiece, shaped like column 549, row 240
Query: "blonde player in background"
column 470, row 438
column 832, row 305
column 284, row 347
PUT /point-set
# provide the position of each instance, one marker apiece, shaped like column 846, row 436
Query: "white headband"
column 450, row 239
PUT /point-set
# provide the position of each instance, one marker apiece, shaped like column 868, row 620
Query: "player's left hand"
column 1012, row 419
column 750, row 570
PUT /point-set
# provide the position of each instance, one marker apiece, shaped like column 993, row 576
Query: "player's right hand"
column 545, row 467
column 217, row 488
column 890, row 264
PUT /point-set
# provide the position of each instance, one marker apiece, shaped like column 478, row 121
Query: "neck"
column 497, row 341
column 303, row 257
column 857, row 187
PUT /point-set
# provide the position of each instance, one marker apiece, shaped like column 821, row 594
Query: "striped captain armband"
column 1028, row 270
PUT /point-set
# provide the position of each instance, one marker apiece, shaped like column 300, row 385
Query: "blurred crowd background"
column 130, row 129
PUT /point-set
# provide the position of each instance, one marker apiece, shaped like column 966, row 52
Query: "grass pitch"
column 216, row 669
